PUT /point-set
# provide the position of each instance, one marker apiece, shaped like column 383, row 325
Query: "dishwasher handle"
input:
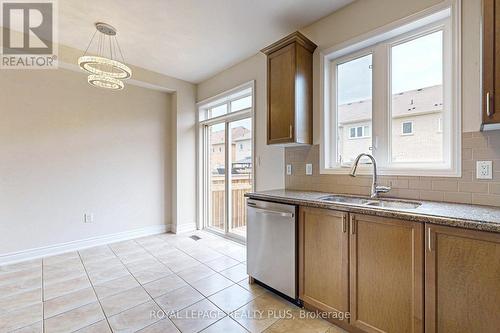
column 271, row 212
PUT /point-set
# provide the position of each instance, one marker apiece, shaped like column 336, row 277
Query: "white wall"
column 269, row 172
column 67, row 148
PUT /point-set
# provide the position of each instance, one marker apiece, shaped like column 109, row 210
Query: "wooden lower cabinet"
column 462, row 292
column 386, row 274
column 323, row 259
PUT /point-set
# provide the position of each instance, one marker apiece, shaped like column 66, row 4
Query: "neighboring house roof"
column 407, row 103
column 237, row 134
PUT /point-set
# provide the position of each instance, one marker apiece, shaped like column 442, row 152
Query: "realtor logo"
column 28, row 34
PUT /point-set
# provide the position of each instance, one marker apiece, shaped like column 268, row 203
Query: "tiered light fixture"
column 105, row 72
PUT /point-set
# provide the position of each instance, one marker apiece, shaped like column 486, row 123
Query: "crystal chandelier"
column 105, row 72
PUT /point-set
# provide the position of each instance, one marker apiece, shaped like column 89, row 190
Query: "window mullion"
column 381, row 104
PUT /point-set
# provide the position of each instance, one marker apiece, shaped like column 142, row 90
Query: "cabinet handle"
column 353, row 226
column 488, row 109
column 429, row 239
column 291, row 131
column 344, row 224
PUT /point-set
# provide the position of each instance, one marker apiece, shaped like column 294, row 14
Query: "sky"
column 415, row 64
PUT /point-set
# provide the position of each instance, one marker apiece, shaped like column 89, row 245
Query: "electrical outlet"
column 88, row 218
column 288, row 169
column 309, row 169
column 484, row 170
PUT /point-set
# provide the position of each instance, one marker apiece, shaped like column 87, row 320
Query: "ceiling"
column 189, row 39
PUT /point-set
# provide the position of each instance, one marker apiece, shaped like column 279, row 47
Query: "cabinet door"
column 281, row 90
column 491, row 61
column 462, row 287
column 386, row 274
column 323, row 259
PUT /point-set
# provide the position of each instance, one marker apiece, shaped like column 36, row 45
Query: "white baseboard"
column 13, row 257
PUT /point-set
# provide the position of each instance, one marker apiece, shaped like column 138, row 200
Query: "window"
column 225, row 160
column 359, row 132
column 407, row 128
column 385, row 94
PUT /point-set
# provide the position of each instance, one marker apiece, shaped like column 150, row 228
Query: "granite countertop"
column 486, row 218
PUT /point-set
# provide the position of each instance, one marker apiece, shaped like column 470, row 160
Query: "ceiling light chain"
column 106, row 72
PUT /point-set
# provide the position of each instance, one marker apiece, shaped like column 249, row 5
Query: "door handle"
column 489, row 112
column 291, row 131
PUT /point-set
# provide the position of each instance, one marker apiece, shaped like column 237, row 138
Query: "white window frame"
column 379, row 43
column 363, row 132
column 403, row 126
column 202, row 121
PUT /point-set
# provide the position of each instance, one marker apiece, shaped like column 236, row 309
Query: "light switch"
column 288, row 169
column 484, row 169
column 309, row 169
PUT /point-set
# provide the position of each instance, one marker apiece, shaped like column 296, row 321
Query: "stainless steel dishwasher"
column 272, row 245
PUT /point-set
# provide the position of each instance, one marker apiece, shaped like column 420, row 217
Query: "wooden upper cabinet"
column 491, row 64
column 289, row 90
column 386, row 274
column 462, row 287
column 323, row 259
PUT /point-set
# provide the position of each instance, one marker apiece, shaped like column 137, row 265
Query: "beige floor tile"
column 134, row 319
column 222, row 263
column 181, row 263
column 17, row 286
column 21, row 317
column 97, row 266
column 164, row 285
column 195, row 273
column 205, row 254
column 231, row 298
column 29, row 264
column 59, row 275
column 136, row 256
column 163, row 326
column 253, row 288
column 65, row 287
column 21, row 300
column 99, row 327
column 115, row 286
column 197, row 317
column 212, row 284
column 152, row 273
column 66, row 265
column 61, row 257
column 226, row 325
column 178, row 299
column 74, row 319
column 239, row 254
column 261, row 313
column 108, row 274
column 30, row 273
column 68, row 302
column 96, row 254
column 141, row 265
column 34, row 328
column 124, row 301
column 236, row 273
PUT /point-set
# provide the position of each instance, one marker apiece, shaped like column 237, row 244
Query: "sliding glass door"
column 227, row 163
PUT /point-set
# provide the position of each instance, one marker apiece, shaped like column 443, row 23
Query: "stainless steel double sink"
column 360, row 201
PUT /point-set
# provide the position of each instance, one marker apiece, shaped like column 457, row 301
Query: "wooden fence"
column 241, row 184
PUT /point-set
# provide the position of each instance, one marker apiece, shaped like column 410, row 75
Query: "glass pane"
column 241, row 172
column 241, row 104
column 218, row 111
column 417, row 94
column 354, row 107
column 216, row 174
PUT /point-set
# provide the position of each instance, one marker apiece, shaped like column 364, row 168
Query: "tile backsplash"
column 466, row 189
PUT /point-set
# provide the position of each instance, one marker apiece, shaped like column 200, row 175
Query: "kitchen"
column 306, row 166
